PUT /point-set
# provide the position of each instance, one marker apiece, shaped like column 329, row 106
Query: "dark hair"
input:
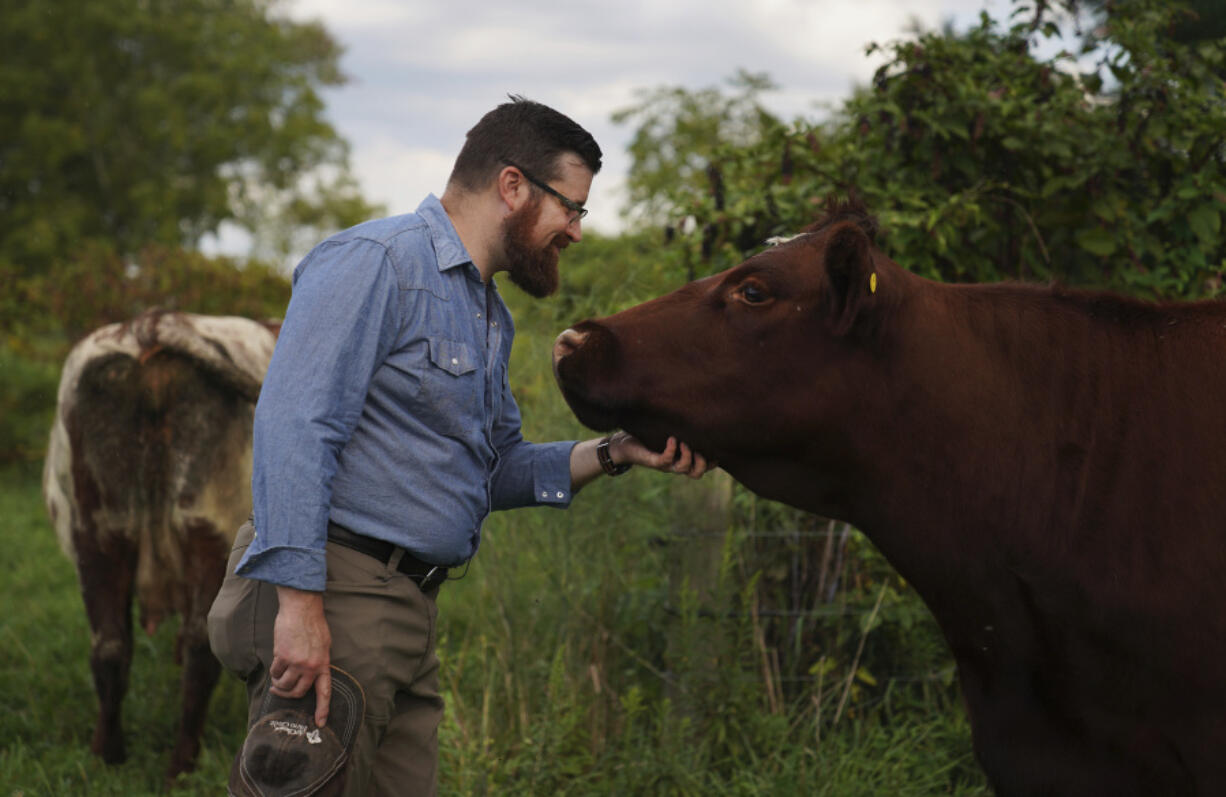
column 528, row 133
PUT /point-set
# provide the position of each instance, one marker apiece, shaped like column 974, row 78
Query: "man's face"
column 535, row 234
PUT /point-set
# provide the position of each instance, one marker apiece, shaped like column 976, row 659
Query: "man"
column 386, row 431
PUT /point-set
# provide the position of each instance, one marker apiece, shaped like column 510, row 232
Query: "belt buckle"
column 428, row 583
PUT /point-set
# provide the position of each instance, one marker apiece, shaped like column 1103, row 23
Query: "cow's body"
column 1048, row 469
column 147, row 477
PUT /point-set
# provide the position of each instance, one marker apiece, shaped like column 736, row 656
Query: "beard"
column 534, row 270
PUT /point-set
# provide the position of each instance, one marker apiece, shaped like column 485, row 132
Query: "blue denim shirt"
column 387, row 407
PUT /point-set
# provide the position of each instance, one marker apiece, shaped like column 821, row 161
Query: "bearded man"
column 386, row 431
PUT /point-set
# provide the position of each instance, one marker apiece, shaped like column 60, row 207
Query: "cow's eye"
column 753, row 293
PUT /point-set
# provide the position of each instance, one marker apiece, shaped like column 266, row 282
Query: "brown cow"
column 147, row 477
column 1046, row 467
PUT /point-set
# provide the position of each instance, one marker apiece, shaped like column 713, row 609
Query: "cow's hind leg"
column 100, row 430
column 107, row 569
column 201, row 671
column 205, row 565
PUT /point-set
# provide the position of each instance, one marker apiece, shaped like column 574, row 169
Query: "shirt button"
column 493, row 323
column 561, row 494
column 454, row 361
column 544, row 495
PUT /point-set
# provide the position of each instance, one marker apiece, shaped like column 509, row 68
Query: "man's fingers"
column 287, row 680
column 677, row 457
column 283, row 687
column 668, row 454
column 682, row 465
column 291, row 684
column 691, row 463
column 665, row 458
column 294, row 683
column 281, row 677
column 323, row 697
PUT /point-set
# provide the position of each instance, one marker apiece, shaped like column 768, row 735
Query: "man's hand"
column 675, row 458
column 300, row 649
column 626, row 449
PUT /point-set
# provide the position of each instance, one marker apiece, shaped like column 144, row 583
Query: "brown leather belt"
column 427, row 576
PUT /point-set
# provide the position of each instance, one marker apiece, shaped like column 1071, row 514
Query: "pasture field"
column 660, row 637
column 47, row 701
column 568, row 670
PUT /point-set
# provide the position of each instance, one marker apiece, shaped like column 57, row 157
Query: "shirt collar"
column 447, row 244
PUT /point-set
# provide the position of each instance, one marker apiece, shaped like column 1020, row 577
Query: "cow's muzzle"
column 583, row 365
column 566, row 344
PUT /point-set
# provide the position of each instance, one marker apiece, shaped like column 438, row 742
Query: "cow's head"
column 768, row 361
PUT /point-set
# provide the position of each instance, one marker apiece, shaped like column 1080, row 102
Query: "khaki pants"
column 383, row 633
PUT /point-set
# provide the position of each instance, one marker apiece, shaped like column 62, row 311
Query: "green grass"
column 602, row 650
column 47, row 701
column 562, row 668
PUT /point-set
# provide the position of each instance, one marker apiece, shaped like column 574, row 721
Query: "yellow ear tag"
column 872, row 282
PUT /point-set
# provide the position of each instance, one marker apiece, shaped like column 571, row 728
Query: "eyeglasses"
column 568, row 203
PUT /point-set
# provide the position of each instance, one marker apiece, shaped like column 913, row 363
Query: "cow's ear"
column 850, row 280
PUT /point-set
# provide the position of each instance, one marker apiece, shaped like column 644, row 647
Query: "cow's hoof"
column 172, row 779
column 182, row 760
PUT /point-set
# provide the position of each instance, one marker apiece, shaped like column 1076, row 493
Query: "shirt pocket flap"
column 453, row 356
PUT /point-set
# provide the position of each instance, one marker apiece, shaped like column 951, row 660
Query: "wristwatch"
column 606, row 460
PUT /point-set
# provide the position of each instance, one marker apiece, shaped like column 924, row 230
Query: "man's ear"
column 513, row 189
column 850, row 281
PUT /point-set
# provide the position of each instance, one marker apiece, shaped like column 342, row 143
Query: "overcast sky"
column 423, row 71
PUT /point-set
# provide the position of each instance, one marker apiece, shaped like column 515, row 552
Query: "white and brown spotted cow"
column 147, row 477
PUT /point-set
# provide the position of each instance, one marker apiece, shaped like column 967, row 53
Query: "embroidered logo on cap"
column 296, row 729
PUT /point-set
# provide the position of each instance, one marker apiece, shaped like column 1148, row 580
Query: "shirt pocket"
column 451, row 388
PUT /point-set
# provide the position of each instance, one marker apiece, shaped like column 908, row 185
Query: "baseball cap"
column 287, row 755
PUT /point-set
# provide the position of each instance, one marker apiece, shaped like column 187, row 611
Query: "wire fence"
column 808, row 595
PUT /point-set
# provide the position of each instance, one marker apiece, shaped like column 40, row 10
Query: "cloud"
column 400, row 175
column 422, row 72
column 341, row 15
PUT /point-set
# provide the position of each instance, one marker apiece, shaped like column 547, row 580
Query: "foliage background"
column 1099, row 164
column 657, row 638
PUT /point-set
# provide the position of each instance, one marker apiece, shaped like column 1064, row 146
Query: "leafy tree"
column 1206, row 20
column 1199, row 20
column 678, row 133
column 137, row 122
column 986, row 161
column 96, row 287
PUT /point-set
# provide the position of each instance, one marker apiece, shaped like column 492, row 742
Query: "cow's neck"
column 974, row 447
column 1018, row 427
